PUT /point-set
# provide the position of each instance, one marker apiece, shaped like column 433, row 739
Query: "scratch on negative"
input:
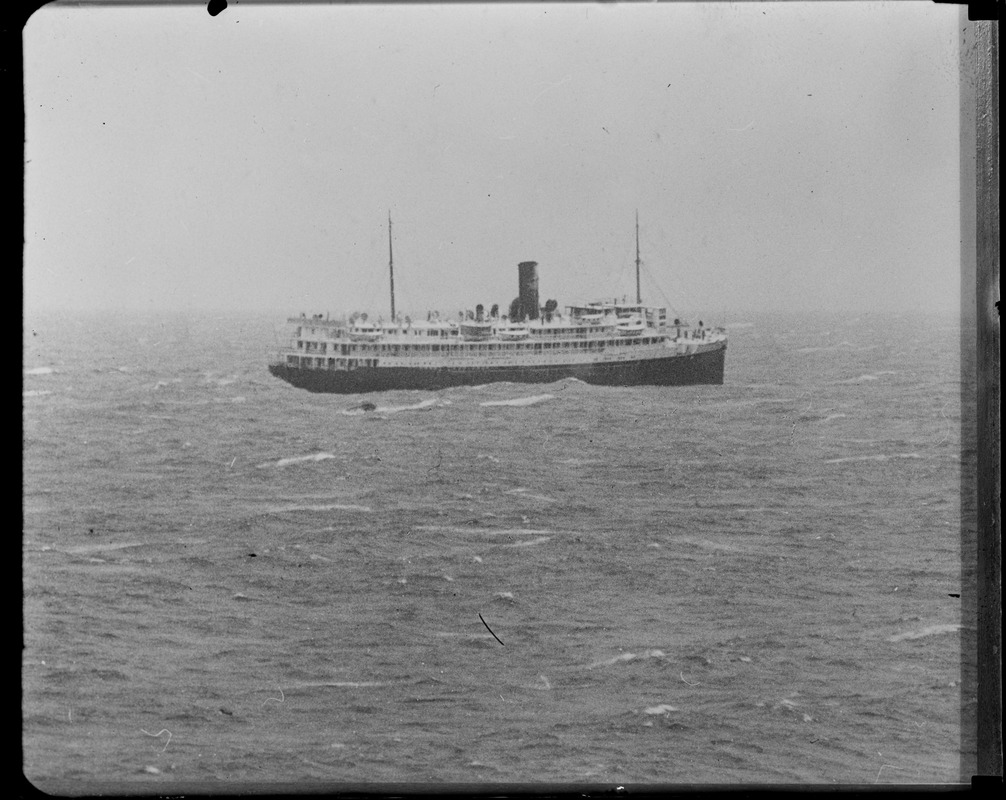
column 155, row 735
column 550, row 86
column 279, row 699
column 889, row 766
column 497, row 638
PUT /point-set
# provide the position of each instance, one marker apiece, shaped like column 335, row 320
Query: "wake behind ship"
column 608, row 343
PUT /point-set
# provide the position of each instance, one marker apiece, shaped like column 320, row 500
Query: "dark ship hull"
column 673, row 370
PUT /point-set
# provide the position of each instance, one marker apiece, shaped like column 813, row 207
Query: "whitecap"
column 663, row 708
column 336, row 685
column 711, row 545
column 879, row 457
column 932, row 630
column 614, row 660
column 443, row 528
column 627, row 657
column 520, row 401
column 830, row 417
column 526, row 543
column 39, row 371
column 98, row 548
column 860, row 379
column 35, row 393
column 355, row 411
column 502, row 531
column 414, row 407
column 327, row 507
column 370, row 408
column 285, row 462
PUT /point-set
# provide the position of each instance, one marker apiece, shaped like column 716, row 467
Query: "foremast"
column 639, row 296
column 391, row 268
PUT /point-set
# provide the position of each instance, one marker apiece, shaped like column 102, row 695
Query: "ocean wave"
column 35, row 393
column 932, row 630
column 626, row 657
column 860, row 379
column 510, row 531
column 285, row 462
column 82, row 549
column 663, row 708
column 165, row 384
column 710, row 545
column 334, row 685
column 525, row 493
column 39, row 371
column 367, row 408
column 847, row 346
column 484, row 531
column 520, row 401
column 879, row 457
column 528, row 543
column 326, row 507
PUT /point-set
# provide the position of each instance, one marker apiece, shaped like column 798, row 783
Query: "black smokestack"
column 527, row 280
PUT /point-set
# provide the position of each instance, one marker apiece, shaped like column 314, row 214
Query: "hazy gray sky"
column 791, row 155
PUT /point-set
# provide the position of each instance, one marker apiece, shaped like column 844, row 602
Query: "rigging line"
column 660, row 289
column 680, row 290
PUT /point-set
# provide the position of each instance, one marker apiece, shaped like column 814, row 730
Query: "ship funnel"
column 527, row 278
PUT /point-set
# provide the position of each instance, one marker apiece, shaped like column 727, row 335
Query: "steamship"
column 606, row 342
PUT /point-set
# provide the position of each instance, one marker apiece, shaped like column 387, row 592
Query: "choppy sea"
column 231, row 583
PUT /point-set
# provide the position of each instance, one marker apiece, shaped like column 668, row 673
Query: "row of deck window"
column 330, row 363
column 467, row 349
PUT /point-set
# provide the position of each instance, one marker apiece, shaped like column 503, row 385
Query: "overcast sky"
column 781, row 156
